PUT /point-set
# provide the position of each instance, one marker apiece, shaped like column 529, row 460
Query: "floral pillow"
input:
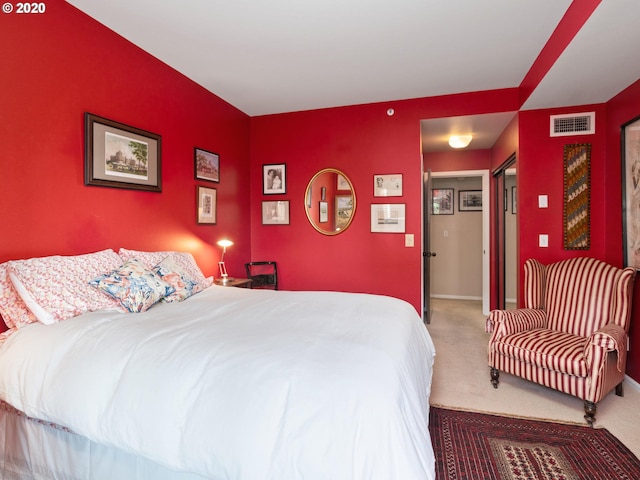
column 55, row 288
column 178, row 278
column 183, row 259
column 13, row 310
column 135, row 287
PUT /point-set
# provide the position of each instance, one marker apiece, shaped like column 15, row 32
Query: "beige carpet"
column 461, row 379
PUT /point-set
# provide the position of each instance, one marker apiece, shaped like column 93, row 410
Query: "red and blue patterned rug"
column 482, row 446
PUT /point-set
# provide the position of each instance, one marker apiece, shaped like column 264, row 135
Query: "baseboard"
column 632, row 383
column 455, row 297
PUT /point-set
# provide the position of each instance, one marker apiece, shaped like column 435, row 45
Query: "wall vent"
column 573, row 124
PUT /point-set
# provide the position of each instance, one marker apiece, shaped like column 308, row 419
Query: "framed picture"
column 442, row 201
column 344, row 210
column 630, row 147
column 388, row 218
column 324, row 212
column 207, row 165
column 207, row 202
column 323, row 193
column 343, row 183
column 120, row 156
column 470, row 200
column 274, row 179
column 275, row 212
column 387, row 185
column 514, row 209
column 309, row 195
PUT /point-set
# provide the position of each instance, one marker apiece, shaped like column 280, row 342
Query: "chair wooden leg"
column 495, row 377
column 590, row 412
column 619, row 390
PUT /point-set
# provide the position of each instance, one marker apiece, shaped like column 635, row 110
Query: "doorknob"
column 429, row 254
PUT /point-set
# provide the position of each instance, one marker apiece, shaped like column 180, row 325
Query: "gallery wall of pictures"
column 206, row 165
column 388, row 217
column 448, row 200
column 274, row 182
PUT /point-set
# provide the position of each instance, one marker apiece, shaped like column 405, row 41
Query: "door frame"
column 486, row 230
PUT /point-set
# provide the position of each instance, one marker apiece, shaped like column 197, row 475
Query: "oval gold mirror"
column 330, row 201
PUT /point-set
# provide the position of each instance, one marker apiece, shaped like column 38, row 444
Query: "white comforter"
column 240, row 384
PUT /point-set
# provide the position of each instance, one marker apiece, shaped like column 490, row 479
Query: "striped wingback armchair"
column 571, row 334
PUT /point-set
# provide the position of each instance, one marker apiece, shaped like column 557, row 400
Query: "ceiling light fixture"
column 460, row 141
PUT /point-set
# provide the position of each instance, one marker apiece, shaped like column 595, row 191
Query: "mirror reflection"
column 330, row 201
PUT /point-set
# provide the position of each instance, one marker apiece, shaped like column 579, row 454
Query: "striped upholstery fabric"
column 583, row 288
column 557, row 351
column 534, row 274
column 572, row 333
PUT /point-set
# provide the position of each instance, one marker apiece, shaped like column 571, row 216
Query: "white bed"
column 228, row 384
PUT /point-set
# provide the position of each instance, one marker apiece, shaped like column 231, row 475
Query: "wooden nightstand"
column 235, row 282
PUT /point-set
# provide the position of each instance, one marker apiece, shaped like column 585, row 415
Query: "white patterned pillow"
column 55, row 288
column 135, row 287
column 13, row 310
column 178, row 278
column 183, row 259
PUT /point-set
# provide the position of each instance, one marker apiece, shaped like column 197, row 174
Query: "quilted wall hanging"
column 577, row 194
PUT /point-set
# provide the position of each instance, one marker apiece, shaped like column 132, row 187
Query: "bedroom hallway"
column 461, row 379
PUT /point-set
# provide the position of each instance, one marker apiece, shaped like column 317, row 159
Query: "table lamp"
column 224, row 277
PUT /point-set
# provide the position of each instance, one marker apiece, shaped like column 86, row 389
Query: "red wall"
column 541, row 172
column 61, row 64
column 456, row 160
column 620, row 109
column 362, row 141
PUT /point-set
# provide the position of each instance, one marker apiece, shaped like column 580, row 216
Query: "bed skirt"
column 31, row 449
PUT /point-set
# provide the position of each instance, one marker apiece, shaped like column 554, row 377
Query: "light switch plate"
column 408, row 240
column 543, row 201
column 543, row 240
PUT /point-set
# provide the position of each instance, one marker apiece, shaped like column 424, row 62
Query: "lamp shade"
column 225, row 243
column 460, row 141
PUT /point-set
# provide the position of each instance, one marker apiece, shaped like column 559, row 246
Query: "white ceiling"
column 277, row 56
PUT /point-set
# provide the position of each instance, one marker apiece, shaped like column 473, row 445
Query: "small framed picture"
column 344, row 210
column 470, row 200
column 388, row 218
column 207, row 165
column 206, row 201
column 387, row 185
column 343, row 183
column 275, row 212
column 274, row 179
column 442, row 201
column 324, row 212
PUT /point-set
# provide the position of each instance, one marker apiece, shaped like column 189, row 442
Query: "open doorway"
column 474, row 160
column 459, row 235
